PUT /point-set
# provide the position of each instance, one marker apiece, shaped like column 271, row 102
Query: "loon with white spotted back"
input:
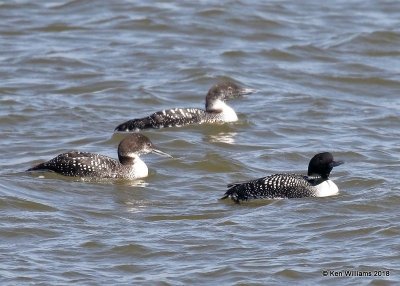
column 315, row 184
column 217, row 111
column 84, row 164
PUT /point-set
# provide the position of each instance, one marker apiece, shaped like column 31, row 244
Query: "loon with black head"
column 217, row 111
column 84, row 164
column 315, row 184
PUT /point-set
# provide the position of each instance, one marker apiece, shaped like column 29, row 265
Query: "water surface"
column 328, row 80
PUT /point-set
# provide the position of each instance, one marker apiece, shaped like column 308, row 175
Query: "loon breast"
column 326, row 188
column 138, row 170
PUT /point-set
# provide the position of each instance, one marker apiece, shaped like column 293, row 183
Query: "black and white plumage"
column 217, row 111
column 315, row 184
column 84, row 164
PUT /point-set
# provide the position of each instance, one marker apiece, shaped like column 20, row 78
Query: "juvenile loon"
column 315, row 184
column 217, row 111
column 84, row 164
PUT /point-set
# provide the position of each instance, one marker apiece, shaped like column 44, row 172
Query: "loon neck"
column 127, row 160
column 135, row 165
column 224, row 111
column 315, row 180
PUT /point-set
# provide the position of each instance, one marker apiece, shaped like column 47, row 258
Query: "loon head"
column 322, row 165
column 134, row 145
column 223, row 91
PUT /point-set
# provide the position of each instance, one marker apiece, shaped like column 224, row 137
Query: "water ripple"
column 327, row 75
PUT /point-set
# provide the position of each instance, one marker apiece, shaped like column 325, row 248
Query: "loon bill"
column 217, row 111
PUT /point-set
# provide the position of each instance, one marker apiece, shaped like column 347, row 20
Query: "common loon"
column 315, row 184
column 84, row 164
column 217, row 111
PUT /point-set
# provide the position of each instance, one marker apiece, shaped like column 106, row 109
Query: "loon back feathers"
column 80, row 164
column 175, row 117
column 271, row 187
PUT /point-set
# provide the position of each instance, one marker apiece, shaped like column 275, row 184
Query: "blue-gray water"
column 328, row 76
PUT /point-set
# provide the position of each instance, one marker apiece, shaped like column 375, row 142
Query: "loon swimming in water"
column 315, row 184
column 217, row 111
column 84, row 164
